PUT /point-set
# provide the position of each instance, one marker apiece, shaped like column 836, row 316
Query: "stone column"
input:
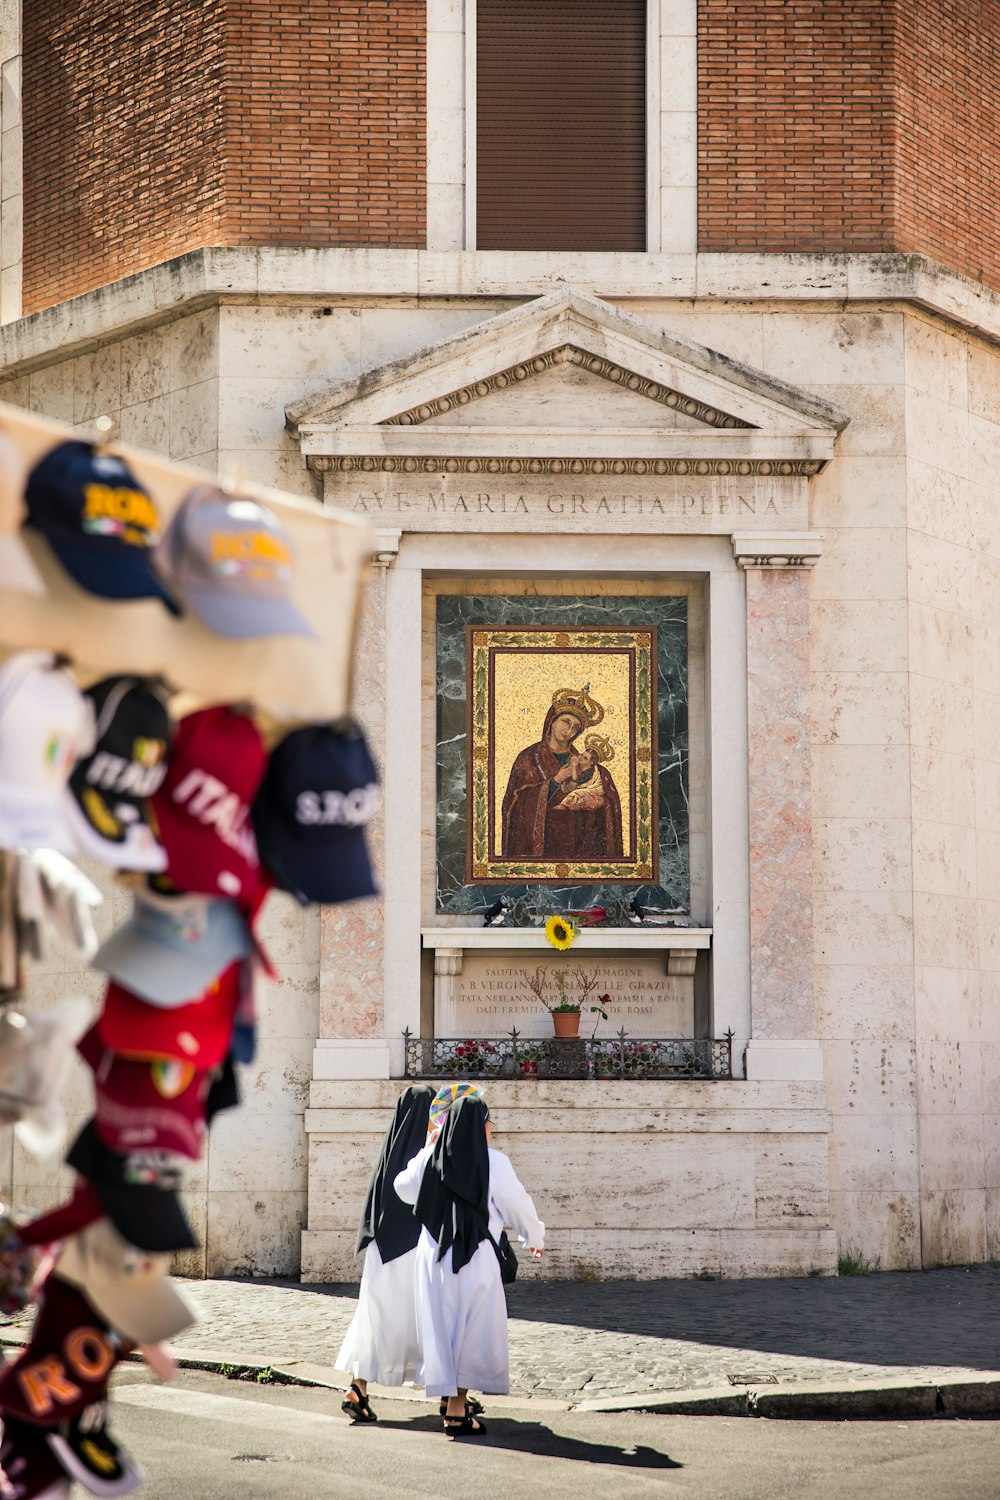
column 783, row 1042
column 352, row 1042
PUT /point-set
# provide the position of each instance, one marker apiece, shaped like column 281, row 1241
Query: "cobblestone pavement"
column 575, row 1341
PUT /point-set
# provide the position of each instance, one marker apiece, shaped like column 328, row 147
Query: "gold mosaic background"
column 524, row 685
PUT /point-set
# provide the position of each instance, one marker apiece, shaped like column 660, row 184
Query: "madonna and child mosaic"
column 561, row 736
column 562, row 752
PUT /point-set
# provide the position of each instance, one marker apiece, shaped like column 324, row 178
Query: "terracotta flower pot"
column 566, row 1023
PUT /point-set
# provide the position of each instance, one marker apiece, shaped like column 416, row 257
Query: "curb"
column 858, row 1400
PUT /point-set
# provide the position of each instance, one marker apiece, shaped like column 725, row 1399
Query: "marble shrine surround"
column 566, row 446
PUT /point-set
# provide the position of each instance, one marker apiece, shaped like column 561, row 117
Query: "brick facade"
column 153, row 127
column 850, row 125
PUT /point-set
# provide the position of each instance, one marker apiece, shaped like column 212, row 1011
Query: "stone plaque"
column 610, row 502
column 491, row 995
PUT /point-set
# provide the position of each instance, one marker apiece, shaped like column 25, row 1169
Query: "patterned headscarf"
column 445, row 1098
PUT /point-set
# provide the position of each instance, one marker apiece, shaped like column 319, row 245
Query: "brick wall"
column 152, row 127
column 948, row 138
column 123, row 146
column 325, row 122
column 828, row 125
column 795, row 125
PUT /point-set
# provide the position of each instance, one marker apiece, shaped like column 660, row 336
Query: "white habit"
column 381, row 1343
column 462, row 1316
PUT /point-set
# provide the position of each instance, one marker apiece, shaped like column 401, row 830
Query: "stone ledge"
column 217, row 273
column 695, row 1097
column 647, row 1254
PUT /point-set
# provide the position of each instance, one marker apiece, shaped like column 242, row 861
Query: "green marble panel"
column 669, row 615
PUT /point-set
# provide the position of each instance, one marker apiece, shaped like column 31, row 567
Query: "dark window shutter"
column 561, row 125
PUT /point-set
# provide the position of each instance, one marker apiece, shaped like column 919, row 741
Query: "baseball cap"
column 144, row 1104
column 199, row 1032
column 99, row 521
column 17, row 570
column 45, row 725
column 318, row 793
column 36, row 1050
column 138, row 1192
column 232, row 562
column 172, row 948
column 129, row 1287
column 203, row 807
column 63, row 1311
column 27, row 1463
column 109, row 789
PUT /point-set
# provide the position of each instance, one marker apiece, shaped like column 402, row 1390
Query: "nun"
column 464, row 1192
column 381, row 1343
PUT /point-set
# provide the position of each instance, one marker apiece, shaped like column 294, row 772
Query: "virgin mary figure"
column 561, row 802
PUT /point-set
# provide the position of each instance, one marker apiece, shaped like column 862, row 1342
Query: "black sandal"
column 473, row 1408
column 467, row 1426
column 359, row 1411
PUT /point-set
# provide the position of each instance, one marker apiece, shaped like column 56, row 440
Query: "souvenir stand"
column 175, row 692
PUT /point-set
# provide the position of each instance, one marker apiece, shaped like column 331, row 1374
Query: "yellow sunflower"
column 561, row 932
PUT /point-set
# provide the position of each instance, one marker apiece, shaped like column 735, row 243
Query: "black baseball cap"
column 139, row 1193
column 109, row 790
column 99, row 521
column 318, row 793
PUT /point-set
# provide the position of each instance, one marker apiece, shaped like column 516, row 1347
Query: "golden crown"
column 579, row 702
column 600, row 747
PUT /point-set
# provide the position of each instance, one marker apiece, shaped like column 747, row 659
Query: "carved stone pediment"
column 567, row 376
column 566, row 390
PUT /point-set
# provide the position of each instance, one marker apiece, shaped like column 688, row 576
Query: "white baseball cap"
column 128, row 1287
column 46, row 724
column 17, row 570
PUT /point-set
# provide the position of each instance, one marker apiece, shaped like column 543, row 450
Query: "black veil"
column 453, row 1202
column 386, row 1219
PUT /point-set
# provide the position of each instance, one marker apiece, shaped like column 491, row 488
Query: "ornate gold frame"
column 483, row 644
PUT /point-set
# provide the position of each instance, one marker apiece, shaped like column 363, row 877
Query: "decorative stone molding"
column 385, row 547
column 353, row 463
column 786, row 549
column 594, row 364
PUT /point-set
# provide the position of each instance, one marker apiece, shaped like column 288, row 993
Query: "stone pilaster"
column 783, row 1029
column 352, row 1041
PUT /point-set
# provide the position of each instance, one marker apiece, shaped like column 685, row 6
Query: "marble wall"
column 905, row 774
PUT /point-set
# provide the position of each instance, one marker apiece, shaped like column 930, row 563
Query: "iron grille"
column 612, row 1058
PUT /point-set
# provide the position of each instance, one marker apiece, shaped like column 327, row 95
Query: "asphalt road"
column 205, row 1438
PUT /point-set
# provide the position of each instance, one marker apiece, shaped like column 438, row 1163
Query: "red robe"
column 534, row 829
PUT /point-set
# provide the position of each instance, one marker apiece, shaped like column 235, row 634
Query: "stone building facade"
column 774, row 432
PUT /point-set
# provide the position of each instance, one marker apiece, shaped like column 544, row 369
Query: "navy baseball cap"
column 318, row 793
column 100, row 522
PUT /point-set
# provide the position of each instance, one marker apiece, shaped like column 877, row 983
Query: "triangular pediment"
column 559, row 371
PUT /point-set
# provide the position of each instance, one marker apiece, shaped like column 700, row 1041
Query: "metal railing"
column 620, row 1058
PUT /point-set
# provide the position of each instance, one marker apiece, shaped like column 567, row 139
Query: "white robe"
column 462, row 1316
column 381, row 1344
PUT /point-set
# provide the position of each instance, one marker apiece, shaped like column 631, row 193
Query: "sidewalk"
column 892, row 1344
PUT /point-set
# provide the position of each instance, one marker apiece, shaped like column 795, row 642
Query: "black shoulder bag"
column 506, row 1258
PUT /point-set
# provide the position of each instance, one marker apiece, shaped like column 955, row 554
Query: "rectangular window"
column 561, row 125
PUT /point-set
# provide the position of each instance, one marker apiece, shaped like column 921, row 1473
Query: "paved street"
column 218, row 1440
column 574, row 1341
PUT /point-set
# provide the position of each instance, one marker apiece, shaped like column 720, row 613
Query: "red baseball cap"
column 199, row 1032
column 145, row 1105
column 203, row 807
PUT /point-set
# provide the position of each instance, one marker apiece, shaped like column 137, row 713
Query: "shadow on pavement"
column 539, row 1441
column 944, row 1317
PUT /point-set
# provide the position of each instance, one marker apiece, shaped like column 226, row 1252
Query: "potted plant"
column 528, row 1059
column 565, row 1012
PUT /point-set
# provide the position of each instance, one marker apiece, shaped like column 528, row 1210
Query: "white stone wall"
column 905, row 706
column 11, row 153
